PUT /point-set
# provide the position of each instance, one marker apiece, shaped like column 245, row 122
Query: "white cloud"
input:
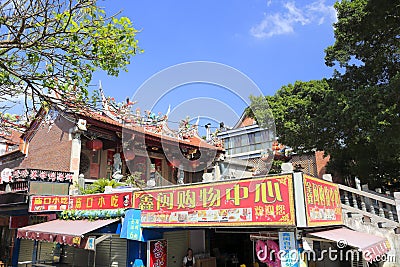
column 319, row 11
column 284, row 22
column 296, row 15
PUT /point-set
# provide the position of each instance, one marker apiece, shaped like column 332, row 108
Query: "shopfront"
column 72, row 243
column 260, row 220
column 86, row 233
column 15, row 187
column 217, row 219
column 246, row 221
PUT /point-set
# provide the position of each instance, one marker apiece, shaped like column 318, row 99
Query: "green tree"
column 297, row 112
column 355, row 115
column 52, row 47
column 366, row 89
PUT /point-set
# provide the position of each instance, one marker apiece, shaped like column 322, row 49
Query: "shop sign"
column 157, row 253
column 9, row 175
column 48, row 203
column 6, row 175
column 44, row 175
column 260, row 201
column 76, row 240
column 101, row 201
column 288, row 250
column 323, row 205
column 131, row 226
column 80, row 202
column 91, row 243
column 48, row 188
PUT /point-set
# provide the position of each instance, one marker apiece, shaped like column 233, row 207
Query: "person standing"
column 188, row 260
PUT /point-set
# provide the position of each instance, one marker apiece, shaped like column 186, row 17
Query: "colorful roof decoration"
column 149, row 123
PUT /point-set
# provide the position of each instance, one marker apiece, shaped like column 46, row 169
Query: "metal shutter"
column 25, row 250
column 103, row 253
column 177, row 244
column 359, row 262
column 77, row 257
column 45, row 252
column 112, row 252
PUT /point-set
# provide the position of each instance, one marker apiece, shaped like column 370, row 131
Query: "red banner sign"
column 48, row 203
column 101, row 201
column 80, row 202
column 259, row 201
column 323, row 205
column 157, row 253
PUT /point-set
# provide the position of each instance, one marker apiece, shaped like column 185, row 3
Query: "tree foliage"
column 366, row 89
column 297, row 111
column 355, row 115
column 99, row 186
column 51, row 48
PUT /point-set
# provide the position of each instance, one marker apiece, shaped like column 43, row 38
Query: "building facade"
column 227, row 221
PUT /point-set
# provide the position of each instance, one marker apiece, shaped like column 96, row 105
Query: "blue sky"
column 273, row 42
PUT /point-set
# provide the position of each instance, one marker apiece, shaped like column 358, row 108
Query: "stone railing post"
column 355, row 204
column 397, row 201
column 346, row 198
column 363, row 206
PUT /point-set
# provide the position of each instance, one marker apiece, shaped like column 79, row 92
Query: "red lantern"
column 94, row 144
column 129, row 154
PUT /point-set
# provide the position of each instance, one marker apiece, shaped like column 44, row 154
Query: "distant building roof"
column 10, row 136
column 245, row 120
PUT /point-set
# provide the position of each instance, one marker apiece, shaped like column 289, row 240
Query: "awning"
column 371, row 246
column 68, row 232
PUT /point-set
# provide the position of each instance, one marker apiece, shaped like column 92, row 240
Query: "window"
column 247, row 142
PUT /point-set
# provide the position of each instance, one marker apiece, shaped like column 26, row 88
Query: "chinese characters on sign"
column 39, row 175
column 131, row 226
column 48, row 203
column 323, row 204
column 101, row 201
column 157, row 253
column 288, row 245
column 261, row 201
column 82, row 202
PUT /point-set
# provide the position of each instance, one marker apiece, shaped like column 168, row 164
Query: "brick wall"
column 50, row 147
column 321, row 162
column 306, row 163
column 247, row 122
column 313, row 163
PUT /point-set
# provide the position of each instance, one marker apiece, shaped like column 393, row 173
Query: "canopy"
column 371, row 246
column 62, row 231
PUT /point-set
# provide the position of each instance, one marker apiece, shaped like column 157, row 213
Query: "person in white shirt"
column 188, row 260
